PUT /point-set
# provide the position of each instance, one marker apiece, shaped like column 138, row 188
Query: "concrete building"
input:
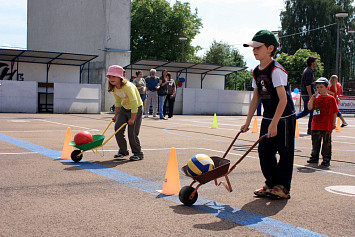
column 85, row 27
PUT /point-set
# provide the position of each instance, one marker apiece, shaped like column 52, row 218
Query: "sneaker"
column 163, row 118
column 280, row 191
column 325, row 163
column 145, row 116
column 135, row 158
column 154, row 116
column 262, row 191
column 344, row 125
column 121, row 155
column 312, row 160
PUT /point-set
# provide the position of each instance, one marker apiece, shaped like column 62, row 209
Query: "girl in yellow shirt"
column 128, row 109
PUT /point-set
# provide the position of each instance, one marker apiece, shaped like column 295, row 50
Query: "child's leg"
column 147, row 102
column 120, row 137
column 316, row 143
column 155, row 102
column 285, row 146
column 267, row 155
column 133, row 132
column 327, row 145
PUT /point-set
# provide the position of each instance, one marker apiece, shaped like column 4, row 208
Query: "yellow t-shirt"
column 128, row 97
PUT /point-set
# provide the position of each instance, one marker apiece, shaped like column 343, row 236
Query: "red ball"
column 83, row 137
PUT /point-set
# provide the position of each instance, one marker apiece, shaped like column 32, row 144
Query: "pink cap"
column 115, row 70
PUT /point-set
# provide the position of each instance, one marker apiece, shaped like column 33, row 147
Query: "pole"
column 182, row 51
column 337, row 52
column 340, row 54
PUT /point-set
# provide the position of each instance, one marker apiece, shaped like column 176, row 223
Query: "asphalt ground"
column 43, row 195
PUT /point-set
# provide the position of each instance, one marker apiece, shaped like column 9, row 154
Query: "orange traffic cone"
column 172, row 181
column 255, row 126
column 67, row 149
column 297, row 131
column 338, row 128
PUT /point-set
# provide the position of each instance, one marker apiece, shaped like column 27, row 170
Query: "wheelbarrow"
column 188, row 194
column 98, row 141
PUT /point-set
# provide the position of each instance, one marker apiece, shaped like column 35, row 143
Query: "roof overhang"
column 183, row 67
column 43, row 57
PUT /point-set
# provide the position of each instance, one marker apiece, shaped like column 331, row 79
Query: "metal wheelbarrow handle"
column 246, row 153
column 230, row 146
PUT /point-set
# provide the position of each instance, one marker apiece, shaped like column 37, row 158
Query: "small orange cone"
column 297, row 131
column 67, row 149
column 255, row 126
column 338, row 128
column 172, row 181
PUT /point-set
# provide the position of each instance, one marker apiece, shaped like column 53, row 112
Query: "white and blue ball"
column 199, row 164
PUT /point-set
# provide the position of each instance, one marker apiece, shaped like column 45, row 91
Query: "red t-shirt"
column 324, row 108
column 339, row 90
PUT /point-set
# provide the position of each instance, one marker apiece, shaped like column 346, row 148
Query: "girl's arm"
column 281, row 92
column 252, row 108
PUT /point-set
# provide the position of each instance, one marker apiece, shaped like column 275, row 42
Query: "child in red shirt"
column 324, row 116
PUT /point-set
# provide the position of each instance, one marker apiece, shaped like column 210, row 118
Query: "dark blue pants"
column 278, row 172
column 306, row 111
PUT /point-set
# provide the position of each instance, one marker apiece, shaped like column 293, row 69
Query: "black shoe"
column 309, row 132
column 344, row 125
column 325, row 163
column 121, row 155
column 312, row 160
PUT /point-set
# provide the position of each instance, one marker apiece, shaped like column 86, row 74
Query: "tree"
column 224, row 54
column 311, row 24
column 296, row 63
column 156, row 27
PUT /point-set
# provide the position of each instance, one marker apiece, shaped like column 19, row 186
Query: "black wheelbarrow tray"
column 188, row 194
column 98, row 141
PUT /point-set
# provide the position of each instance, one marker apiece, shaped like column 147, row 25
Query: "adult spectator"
column 307, row 90
column 163, row 83
column 170, row 97
column 139, row 82
column 152, row 83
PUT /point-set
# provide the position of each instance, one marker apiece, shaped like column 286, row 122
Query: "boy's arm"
column 281, row 92
column 334, row 119
column 252, row 108
column 310, row 103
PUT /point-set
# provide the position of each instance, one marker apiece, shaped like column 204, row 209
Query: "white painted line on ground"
column 69, row 125
column 18, row 153
column 345, row 190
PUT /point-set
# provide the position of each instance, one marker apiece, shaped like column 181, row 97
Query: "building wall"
column 18, row 97
column 85, row 27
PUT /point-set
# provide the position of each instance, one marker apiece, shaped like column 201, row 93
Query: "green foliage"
column 303, row 16
column 296, row 63
column 156, row 27
column 221, row 53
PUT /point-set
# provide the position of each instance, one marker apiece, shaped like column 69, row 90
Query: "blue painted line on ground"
column 251, row 220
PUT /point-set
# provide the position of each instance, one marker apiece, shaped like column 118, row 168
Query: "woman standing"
column 170, row 97
column 162, row 93
column 335, row 89
column 128, row 109
column 139, row 82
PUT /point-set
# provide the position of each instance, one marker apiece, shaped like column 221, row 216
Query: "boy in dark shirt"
column 271, row 87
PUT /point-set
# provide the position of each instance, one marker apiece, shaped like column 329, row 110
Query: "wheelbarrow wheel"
column 75, row 156
column 184, row 195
